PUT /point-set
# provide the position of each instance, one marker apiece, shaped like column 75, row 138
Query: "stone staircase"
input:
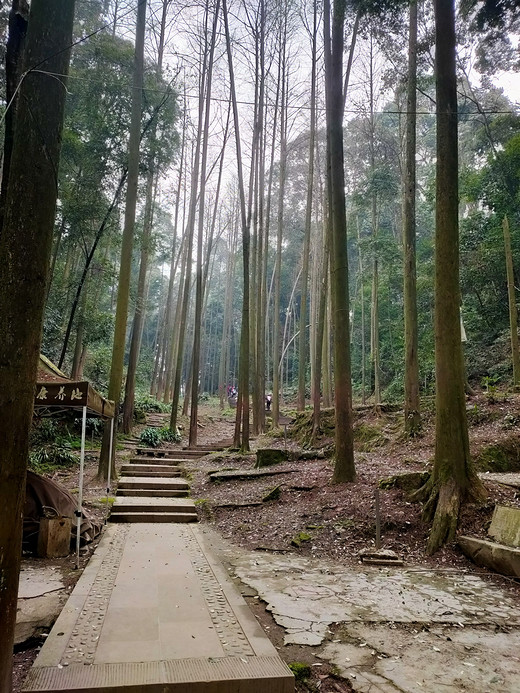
column 151, row 487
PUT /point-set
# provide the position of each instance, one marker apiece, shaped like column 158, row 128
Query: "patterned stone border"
column 83, row 641
column 232, row 638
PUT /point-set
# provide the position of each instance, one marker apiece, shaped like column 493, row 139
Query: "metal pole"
column 80, row 489
column 109, row 464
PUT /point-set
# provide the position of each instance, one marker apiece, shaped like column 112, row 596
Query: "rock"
column 269, row 456
column 41, row 597
column 274, row 494
column 300, row 538
column 409, row 482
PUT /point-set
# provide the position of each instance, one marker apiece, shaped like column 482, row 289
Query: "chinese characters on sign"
column 56, row 393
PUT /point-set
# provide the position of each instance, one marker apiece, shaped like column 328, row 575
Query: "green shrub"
column 169, row 436
column 50, row 457
column 150, row 437
column 151, row 404
column 44, row 431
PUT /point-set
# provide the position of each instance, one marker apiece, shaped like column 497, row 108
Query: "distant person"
column 268, row 400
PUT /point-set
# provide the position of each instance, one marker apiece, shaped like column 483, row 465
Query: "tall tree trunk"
column 344, row 469
column 123, row 289
column 511, row 292
column 140, row 306
column 140, row 301
column 241, row 437
column 190, row 230
column 25, row 251
column 453, row 478
column 18, row 17
column 303, row 341
column 412, row 415
column 374, row 316
column 280, row 223
column 200, row 242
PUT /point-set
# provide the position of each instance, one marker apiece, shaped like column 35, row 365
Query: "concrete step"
column 168, row 461
column 164, row 470
column 151, row 504
column 158, row 493
column 142, row 482
column 153, row 517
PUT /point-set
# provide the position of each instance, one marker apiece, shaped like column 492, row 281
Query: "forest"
column 311, row 202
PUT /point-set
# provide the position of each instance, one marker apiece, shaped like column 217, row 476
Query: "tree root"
column 442, row 501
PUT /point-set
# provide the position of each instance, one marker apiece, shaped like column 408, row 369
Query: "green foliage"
column 43, row 431
column 368, row 437
column 50, row 457
column 150, row 404
column 150, row 437
column 300, row 670
column 169, row 436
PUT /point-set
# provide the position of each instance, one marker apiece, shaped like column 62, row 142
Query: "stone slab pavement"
column 154, row 610
column 41, row 597
column 393, row 630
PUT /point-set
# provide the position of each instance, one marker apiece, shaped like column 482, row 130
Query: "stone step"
column 147, row 482
column 153, row 505
column 168, row 461
column 153, row 517
column 163, row 470
column 170, row 453
column 158, row 493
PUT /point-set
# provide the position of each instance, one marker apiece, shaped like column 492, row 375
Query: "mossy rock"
column 500, row 457
column 408, row 482
column 273, row 494
column 270, row 456
column 300, row 538
column 368, row 437
column 300, row 670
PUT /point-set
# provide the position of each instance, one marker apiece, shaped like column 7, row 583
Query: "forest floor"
column 311, row 518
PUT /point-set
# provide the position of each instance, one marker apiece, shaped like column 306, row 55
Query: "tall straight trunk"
column 511, row 292
column 362, row 311
column 190, row 230
column 453, row 478
column 303, row 341
column 279, row 228
column 200, row 240
column 142, row 287
column 18, row 17
column 344, row 469
column 167, row 339
column 25, row 251
column 140, row 306
column 412, row 415
column 374, row 316
column 123, row 289
column 241, row 437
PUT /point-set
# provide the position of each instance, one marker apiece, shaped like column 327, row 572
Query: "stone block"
column 269, row 456
column 505, row 526
column 502, row 559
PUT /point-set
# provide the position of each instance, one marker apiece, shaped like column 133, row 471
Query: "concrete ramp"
column 155, row 611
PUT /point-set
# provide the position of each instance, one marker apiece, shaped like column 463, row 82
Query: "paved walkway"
column 155, row 611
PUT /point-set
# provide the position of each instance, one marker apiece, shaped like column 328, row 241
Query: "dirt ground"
column 313, row 517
